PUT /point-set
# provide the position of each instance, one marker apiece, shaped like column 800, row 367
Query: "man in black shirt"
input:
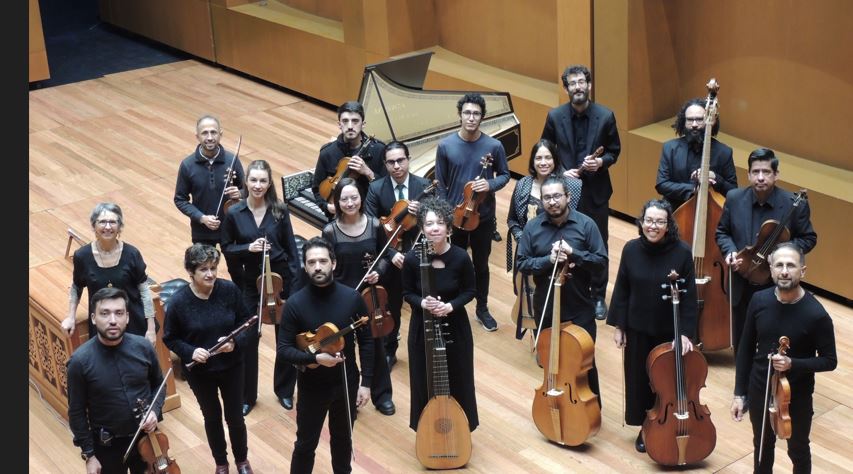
column 364, row 167
column 561, row 235
column 327, row 382
column 200, row 186
column 106, row 377
column 784, row 310
column 745, row 210
column 578, row 128
column 681, row 158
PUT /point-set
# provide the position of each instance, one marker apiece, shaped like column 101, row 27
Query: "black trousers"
column 380, row 387
column 311, row 409
column 480, row 241
column 207, row 387
column 599, row 215
column 638, row 394
column 284, row 374
column 111, row 456
column 392, row 280
column 801, row 412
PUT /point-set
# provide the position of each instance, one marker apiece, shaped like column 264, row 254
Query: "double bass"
column 399, row 219
column 270, row 285
column 697, row 219
column 678, row 429
column 376, row 299
column 466, row 216
column 565, row 410
column 755, row 267
column 777, row 398
column 327, row 186
column 443, row 439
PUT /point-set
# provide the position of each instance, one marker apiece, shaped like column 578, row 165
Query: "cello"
column 443, row 438
column 270, row 285
column 777, row 398
column 755, row 267
column 565, row 410
column 399, row 219
column 376, row 299
column 698, row 218
column 327, row 186
column 678, row 429
column 466, row 216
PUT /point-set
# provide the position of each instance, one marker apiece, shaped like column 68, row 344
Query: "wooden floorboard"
column 121, row 138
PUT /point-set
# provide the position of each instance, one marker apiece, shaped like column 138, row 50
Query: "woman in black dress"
column 198, row 316
column 353, row 234
column 110, row 262
column 642, row 319
column 257, row 222
column 455, row 286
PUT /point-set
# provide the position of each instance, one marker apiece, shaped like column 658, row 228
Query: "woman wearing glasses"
column 642, row 319
column 353, row 235
column 110, row 262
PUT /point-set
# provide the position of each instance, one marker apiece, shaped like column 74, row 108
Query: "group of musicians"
column 206, row 321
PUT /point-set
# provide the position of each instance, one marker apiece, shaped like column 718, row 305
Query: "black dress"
column 127, row 274
column 455, row 284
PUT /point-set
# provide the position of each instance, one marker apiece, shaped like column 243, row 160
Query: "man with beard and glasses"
column 321, row 384
column 106, row 376
column 745, row 210
column 680, row 159
column 562, row 235
column 578, row 128
column 364, row 167
column 786, row 309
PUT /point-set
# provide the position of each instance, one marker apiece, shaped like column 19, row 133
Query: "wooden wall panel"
column 38, row 67
column 331, row 9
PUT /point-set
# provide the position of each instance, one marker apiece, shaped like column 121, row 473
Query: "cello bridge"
column 703, row 280
column 554, row 392
column 682, row 416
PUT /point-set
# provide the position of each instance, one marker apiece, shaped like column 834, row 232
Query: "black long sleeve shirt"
column 588, row 255
column 807, row 325
column 308, row 309
column 331, row 154
column 104, row 384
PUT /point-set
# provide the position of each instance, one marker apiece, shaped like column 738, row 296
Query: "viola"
column 678, row 429
column 466, row 216
column 230, row 180
column 376, row 299
column 443, row 438
column 327, row 186
column 565, row 410
column 154, row 449
column 755, row 267
column 270, row 285
column 327, row 338
column 399, row 220
column 697, row 219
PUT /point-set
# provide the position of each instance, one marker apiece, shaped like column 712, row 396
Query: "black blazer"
column 673, row 181
column 601, row 132
column 381, row 197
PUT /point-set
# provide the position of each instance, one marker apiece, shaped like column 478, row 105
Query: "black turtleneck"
column 636, row 302
column 310, row 308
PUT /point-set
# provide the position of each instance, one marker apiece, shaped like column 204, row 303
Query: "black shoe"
column 386, row 408
column 639, row 444
column 391, row 359
column 496, row 236
column 247, row 407
column 486, row 319
column 286, row 402
column 600, row 310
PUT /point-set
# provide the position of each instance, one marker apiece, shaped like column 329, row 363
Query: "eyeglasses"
column 698, row 120
column 398, row 161
column 579, row 82
column 655, row 222
column 553, row 197
column 472, row 113
column 104, row 222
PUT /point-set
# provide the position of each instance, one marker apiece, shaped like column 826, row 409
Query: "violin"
column 326, row 338
column 565, row 410
column 270, row 285
column 230, row 180
column 697, row 219
column 327, row 186
column 376, row 299
column 467, row 214
column 678, row 429
column 443, row 438
column 755, row 267
column 154, row 450
column 399, row 220
column 780, row 396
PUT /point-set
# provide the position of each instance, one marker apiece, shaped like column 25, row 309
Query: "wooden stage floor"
column 121, row 137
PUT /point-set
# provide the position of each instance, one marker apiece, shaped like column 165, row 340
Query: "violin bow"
column 766, row 402
column 145, row 415
column 378, row 256
column 263, row 282
column 228, row 175
column 548, row 294
column 346, row 394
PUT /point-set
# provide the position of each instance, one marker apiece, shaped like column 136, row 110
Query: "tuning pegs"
column 664, row 286
column 665, row 297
